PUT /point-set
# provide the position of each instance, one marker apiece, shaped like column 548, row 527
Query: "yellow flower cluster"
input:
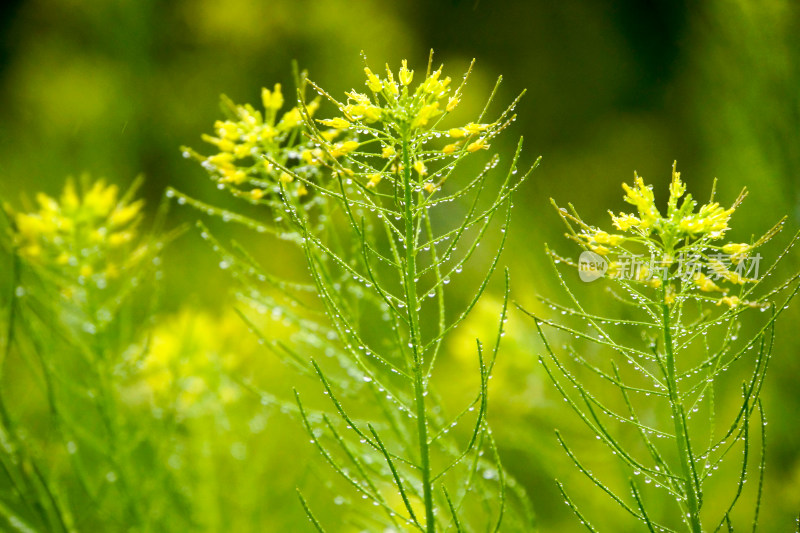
column 84, row 235
column 406, row 113
column 680, row 222
column 683, row 234
column 255, row 146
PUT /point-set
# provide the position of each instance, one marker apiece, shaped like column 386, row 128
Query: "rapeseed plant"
column 382, row 247
column 78, row 268
column 689, row 291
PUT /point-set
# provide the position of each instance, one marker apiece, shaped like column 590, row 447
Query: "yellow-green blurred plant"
column 73, row 458
column 398, row 219
column 688, row 289
column 190, row 360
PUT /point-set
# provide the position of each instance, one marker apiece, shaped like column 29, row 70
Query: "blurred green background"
column 114, row 88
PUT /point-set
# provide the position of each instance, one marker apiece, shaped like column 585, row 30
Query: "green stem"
column 681, row 432
column 413, row 315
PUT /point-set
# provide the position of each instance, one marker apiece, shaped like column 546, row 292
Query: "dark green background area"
column 115, row 88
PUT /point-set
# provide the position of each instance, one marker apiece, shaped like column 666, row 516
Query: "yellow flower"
column 120, row 238
column 371, row 113
column 221, row 160
column 736, row 248
column 338, row 123
column 433, row 86
column 291, row 118
column 480, row 144
column 473, row 128
column 419, row 166
column 225, row 145
column 669, row 295
column 427, row 112
column 457, row 133
column 373, row 82
column 429, row 187
column 389, row 84
column 374, row 180
column 123, row 215
column 301, row 190
column 87, row 226
column 101, row 199
column 387, row 151
column 340, row 149
column 286, row 177
column 642, row 197
column 704, row 283
column 227, row 130
column 69, row 197
column 405, row 75
column 243, row 150
column 624, row 222
column 452, row 103
column 676, row 187
column 232, row 175
column 272, row 99
column 330, row 135
column 730, row 301
column 257, row 194
column 601, row 237
column 450, row 148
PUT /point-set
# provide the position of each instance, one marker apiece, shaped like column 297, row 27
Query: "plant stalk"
column 413, row 314
column 681, row 432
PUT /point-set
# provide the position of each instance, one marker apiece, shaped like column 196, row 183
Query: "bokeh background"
column 114, row 88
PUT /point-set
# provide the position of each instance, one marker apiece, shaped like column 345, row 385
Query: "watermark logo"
column 591, row 266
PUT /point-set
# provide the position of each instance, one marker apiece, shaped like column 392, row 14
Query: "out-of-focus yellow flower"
column 730, row 301
column 190, row 356
column 387, row 151
column 272, row 99
column 340, row 149
column 669, row 295
column 704, row 283
column 374, row 180
column 80, row 234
